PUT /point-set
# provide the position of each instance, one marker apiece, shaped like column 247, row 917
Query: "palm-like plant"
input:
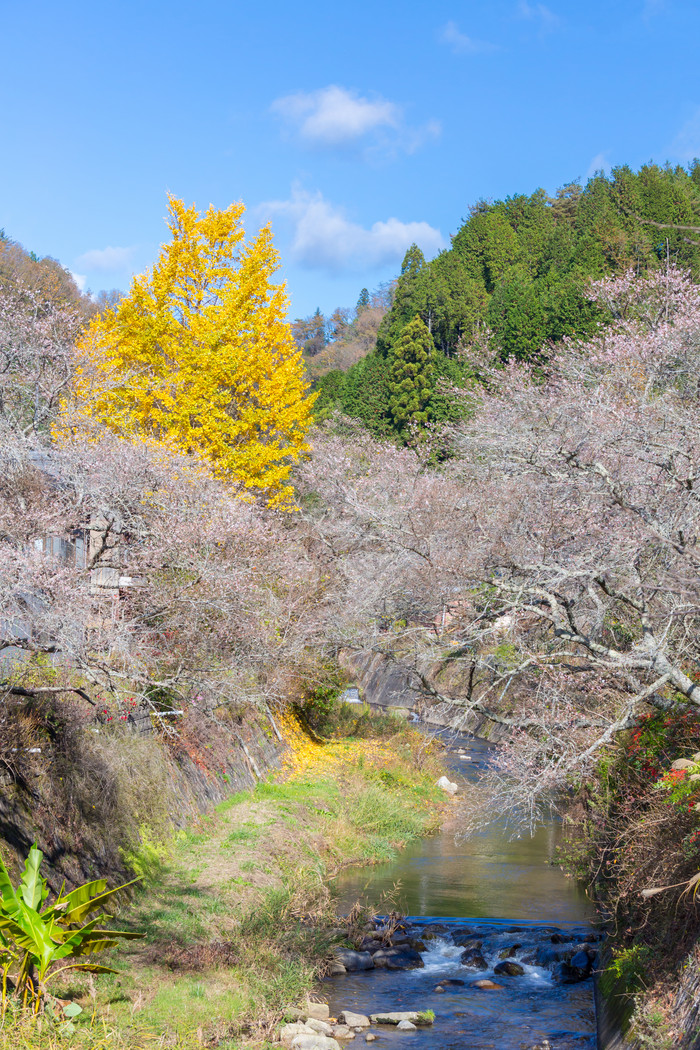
column 33, row 938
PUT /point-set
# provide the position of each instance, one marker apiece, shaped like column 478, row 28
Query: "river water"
column 510, row 895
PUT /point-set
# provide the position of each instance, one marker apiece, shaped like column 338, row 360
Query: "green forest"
column 515, row 277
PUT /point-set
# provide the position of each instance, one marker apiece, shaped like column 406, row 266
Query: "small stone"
column 694, row 777
column 683, row 763
column 448, row 786
column 487, row 986
column 353, row 1020
column 696, row 756
column 336, row 969
column 406, row 1026
column 439, row 989
column 370, row 1038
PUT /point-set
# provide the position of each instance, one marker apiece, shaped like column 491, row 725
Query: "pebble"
column 406, row 1026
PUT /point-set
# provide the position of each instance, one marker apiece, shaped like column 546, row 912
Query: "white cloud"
column 547, row 20
column 107, row 259
column 336, row 118
column 333, row 116
column 325, row 239
column 686, row 145
column 462, row 44
column 80, row 279
column 599, row 163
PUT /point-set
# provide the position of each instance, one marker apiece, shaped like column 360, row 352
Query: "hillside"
column 515, row 280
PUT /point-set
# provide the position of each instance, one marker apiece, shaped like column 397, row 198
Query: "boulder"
column 487, row 986
column 314, row 1042
column 406, row 1026
column 448, row 786
column 397, row 959
column 321, row 1011
column 451, row 982
column 683, row 763
column 696, row 756
column 395, row 1017
column 546, row 955
column 507, row 953
column 289, row 1031
column 322, row 1027
column 343, row 1031
column 465, row 941
column 353, row 1020
column 473, row 959
column 508, row 969
column 336, row 969
column 464, row 931
column 561, row 938
column 353, row 961
column 578, row 968
column 434, row 929
column 371, row 944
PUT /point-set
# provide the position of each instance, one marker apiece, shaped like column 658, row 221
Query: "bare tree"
column 555, row 559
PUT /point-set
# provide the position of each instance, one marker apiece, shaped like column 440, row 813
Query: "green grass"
column 239, row 881
column 248, row 833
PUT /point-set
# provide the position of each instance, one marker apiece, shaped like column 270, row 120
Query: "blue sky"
column 354, row 128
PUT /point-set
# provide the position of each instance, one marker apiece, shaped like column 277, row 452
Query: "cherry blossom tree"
column 37, row 363
column 554, row 561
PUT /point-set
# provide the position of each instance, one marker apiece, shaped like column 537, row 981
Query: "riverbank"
column 238, row 909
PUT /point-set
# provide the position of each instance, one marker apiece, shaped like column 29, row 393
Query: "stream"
column 508, row 896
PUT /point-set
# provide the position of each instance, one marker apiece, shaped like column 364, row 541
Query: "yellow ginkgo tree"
column 199, row 355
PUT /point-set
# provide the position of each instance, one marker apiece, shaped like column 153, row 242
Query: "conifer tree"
column 411, row 376
column 200, row 355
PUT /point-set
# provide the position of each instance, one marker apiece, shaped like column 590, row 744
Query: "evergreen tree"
column 412, row 376
column 408, row 299
column 363, row 301
column 365, row 394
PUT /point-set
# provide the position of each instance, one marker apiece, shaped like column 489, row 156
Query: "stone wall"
column 87, row 812
column 389, row 685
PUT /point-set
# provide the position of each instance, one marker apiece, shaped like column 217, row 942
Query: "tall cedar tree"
column 411, row 376
column 200, row 355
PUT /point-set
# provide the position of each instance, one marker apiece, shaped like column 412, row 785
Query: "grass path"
column 237, row 912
